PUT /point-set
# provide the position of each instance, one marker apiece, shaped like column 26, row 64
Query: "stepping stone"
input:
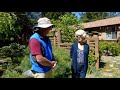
column 89, row 76
column 114, row 61
column 108, row 70
column 118, row 63
column 115, row 68
column 108, row 74
column 111, row 65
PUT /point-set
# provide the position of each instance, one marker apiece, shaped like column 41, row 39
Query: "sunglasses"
column 79, row 36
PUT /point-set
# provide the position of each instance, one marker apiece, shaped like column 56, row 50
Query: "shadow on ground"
column 102, row 64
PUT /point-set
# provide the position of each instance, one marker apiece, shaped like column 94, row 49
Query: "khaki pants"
column 43, row 75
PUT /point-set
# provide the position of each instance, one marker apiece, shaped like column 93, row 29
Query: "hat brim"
column 44, row 25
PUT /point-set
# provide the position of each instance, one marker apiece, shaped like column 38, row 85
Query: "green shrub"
column 63, row 68
column 67, row 23
column 5, row 51
column 13, row 51
column 25, row 64
column 91, row 63
column 111, row 48
column 103, row 46
column 12, row 74
column 115, row 48
column 15, row 70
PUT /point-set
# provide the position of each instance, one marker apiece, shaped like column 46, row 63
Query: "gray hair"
column 80, row 32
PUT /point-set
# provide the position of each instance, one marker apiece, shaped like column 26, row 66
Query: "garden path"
column 109, row 68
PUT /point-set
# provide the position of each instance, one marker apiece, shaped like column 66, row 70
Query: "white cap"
column 44, row 23
column 80, row 32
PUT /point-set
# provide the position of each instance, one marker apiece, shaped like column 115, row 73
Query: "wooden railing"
column 65, row 45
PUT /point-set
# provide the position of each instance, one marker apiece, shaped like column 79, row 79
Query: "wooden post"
column 54, row 41
column 93, row 41
column 88, row 40
column 97, row 51
column 59, row 37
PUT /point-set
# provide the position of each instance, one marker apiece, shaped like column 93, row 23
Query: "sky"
column 77, row 14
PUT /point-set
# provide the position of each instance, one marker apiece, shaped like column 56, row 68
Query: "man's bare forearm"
column 43, row 61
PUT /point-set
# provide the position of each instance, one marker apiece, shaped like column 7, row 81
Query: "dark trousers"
column 81, row 73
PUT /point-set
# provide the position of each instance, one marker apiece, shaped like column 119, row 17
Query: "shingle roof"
column 103, row 22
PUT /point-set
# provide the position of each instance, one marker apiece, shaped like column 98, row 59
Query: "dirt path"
column 110, row 68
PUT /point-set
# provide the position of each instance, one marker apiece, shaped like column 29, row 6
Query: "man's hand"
column 54, row 64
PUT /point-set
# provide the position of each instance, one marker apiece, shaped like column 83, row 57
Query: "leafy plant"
column 109, row 48
column 12, row 27
column 15, row 71
column 13, row 51
column 91, row 63
column 63, row 69
column 68, row 24
column 12, row 74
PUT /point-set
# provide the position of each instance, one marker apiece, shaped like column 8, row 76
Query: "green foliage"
column 12, row 26
column 113, row 14
column 111, row 48
column 12, row 74
column 34, row 16
column 115, row 48
column 93, row 16
column 63, row 68
column 102, row 47
column 27, row 51
column 25, row 65
column 15, row 71
column 52, row 15
column 91, row 63
column 5, row 51
column 68, row 24
column 14, row 51
column 7, row 22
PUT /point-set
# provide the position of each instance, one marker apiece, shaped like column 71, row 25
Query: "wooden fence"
column 65, row 45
